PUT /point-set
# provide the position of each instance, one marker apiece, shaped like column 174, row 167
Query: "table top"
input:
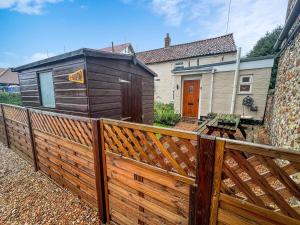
column 213, row 124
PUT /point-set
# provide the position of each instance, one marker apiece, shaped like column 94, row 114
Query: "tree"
column 264, row 46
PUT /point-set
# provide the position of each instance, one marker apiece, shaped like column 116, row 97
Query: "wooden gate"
column 255, row 184
column 149, row 172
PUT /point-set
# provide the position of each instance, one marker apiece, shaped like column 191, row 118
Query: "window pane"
column 244, row 88
column 47, row 89
column 246, row 79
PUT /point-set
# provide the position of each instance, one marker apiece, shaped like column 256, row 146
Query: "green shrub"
column 165, row 114
column 10, row 98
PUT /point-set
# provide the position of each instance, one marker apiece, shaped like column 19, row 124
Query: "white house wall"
column 222, row 92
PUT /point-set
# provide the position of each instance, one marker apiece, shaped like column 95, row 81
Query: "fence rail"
column 140, row 174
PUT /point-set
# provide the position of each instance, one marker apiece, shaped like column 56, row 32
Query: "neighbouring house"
column 91, row 83
column 199, row 78
column 283, row 119
column 125, row 48
column 9, row 81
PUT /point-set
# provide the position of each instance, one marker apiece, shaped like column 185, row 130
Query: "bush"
column 10, row 98
column 165, row 114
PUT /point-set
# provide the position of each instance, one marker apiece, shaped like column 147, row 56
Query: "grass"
column 10, row 98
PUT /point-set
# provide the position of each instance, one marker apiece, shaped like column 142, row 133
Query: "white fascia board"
column 248, row 65
column 258, row 64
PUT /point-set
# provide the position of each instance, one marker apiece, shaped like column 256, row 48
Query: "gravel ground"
column 28, row 197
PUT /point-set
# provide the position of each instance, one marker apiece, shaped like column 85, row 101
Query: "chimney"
column 167, row 41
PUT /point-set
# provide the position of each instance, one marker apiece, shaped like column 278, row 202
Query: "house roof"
column 211, row 46
column 117, row 48
column 80, row 53
column 8, row 77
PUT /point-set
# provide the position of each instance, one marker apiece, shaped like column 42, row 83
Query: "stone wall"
column 284, row 128
column 269, row 110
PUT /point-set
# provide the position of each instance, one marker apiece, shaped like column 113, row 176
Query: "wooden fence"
column 140, row 174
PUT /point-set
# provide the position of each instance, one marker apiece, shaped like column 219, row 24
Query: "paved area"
column 30, row 198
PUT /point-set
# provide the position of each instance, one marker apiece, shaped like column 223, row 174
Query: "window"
column 246, row 84
column 178, row 65
column 198, row 62
column 47, row 89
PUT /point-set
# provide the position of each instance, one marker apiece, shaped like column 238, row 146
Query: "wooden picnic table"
column 213, row 125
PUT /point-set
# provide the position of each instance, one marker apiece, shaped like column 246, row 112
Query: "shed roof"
column 211, row 46
column 83, row 52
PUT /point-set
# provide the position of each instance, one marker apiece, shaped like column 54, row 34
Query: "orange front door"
column 191, row 91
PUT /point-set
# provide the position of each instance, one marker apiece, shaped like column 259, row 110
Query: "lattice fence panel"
column 75, row 129
column 264, row 177
column 168, row 149
column 15, row 113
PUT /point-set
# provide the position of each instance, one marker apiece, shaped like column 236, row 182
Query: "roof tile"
column 212, row 46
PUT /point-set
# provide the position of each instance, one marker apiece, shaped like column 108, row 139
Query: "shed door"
column 126, row 96
column 131, row 91
column 136, row 99
column 191, row 90
column 47, row 89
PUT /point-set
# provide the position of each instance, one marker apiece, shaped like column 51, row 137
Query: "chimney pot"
column 167, row 41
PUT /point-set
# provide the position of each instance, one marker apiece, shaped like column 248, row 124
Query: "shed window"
column 47, row 89
column 245, row 84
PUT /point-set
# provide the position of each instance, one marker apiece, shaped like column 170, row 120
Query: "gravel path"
column 28, row 197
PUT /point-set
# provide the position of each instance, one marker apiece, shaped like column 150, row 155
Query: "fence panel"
column 18, row 133
column 150, row 172
column 3, row 137
column 64, row 151
column 255, row 184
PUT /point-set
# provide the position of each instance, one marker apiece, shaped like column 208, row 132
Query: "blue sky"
column 34, row 29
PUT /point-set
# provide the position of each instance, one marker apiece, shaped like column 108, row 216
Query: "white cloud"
column 249, row 19
column 32, row 7
column 39, row 56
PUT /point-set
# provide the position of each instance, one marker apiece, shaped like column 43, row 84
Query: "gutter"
column 289, row 23
column 235, row 82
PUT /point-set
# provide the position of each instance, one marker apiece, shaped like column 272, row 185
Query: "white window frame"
column 250, row 82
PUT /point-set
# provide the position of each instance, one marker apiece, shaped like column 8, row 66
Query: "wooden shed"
column 91, row 83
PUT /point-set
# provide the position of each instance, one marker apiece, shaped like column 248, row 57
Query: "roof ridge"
column 207, row 39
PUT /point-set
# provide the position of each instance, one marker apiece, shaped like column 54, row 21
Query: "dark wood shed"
column 90, row 83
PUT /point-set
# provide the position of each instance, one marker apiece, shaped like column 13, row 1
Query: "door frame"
column 183, row 78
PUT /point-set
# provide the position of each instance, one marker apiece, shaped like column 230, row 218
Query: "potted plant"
column 227, row 120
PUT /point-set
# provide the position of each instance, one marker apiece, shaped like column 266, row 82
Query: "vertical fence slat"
column 5, row 127
column 31, row 140
column 204, row 178
column 104, row 183
column 219, row 155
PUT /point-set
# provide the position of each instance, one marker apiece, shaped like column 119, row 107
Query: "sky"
column 35, row 29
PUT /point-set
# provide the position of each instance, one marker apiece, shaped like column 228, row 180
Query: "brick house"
column 283, row 118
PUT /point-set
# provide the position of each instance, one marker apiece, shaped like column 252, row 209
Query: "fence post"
column 204, row 179
column 5, row 127
column 104, row 183
column 32, row 140
column 98, row 165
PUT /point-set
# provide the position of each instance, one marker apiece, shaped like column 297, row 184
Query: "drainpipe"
column 235, row 82
column 211, row 89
